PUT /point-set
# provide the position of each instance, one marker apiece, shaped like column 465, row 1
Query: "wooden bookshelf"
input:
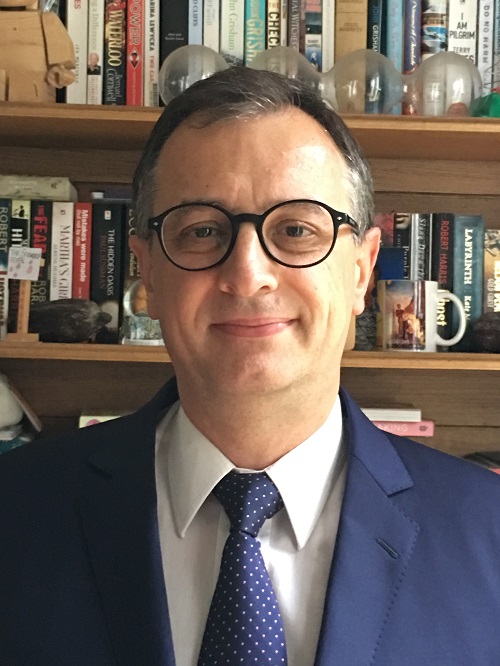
column 418, row 164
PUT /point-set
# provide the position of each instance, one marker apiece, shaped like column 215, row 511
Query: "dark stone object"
column 67, row 320
column 486, row 333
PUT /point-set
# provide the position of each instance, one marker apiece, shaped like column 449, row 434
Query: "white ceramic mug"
column 408, row 313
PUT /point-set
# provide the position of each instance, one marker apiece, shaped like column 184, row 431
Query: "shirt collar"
column 304, row 476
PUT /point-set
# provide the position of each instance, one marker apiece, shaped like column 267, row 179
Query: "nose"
column 248, row 270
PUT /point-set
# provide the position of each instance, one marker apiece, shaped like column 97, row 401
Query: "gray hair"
column 246, row 93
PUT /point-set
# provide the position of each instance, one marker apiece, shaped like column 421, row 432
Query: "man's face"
column 251, row 325
column 93, row 59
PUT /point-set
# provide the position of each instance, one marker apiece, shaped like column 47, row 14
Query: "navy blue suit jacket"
column 415, row 578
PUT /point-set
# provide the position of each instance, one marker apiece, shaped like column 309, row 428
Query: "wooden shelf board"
column 67, row 126
column 145, row 354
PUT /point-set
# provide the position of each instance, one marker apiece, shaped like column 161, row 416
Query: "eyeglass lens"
column 198, row 235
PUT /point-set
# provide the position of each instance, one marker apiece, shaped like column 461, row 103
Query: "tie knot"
column 248, row 500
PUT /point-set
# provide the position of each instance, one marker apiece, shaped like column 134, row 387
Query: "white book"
column 392, row 413
column 211, row 24
column 232, row 31
column 485, row 24
column 77, row 21
column 95, row 52
column 496, row 46
column 284, row 23
column 328, row 36
column 151, row 52
column 195, row 22
column 462, row 27
column 61, row 251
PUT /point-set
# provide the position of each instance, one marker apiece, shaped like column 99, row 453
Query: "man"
column 249, row 514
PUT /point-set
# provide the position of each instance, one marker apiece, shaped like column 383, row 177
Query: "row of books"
column 454, row 250
column 120, row 45
column 86, row 256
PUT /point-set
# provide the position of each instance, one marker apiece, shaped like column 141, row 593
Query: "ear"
column 367, row 253
column 143, row 250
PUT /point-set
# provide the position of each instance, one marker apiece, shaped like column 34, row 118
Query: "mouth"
column 253, row 328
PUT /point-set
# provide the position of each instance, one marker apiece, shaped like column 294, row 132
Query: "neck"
column 259, row 430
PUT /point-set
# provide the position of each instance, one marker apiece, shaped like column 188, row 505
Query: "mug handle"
column 443, row 293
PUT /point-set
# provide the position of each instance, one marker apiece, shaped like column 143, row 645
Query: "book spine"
column 77, row 14
column 385, row 222
column 420, row 246
column 173, row 26
column 82, row 236
column 41, row 238
column 402, row 237
column 5, row 211
column 61, row 251
column 19, row 234
column 485, row 34
column 314, row 37
column 328, row 35
column 211, row 22
column 351, row 25
column 273, row 23
column 442, row 267
column 407, row 428
column 468, row 262
column 135, row 53
column 284, row 23
column 434, row 27
column 462, row 28
column 232, row 31
column 195, row 22
column 496, row 46
column 394, row 39
column 115, row 39
column 151, row 52
column 95, row 51
column 412, row 45
column 255, row 29
column 294, row 24
column 106, row 276
column 375, row 25
column 491, row 296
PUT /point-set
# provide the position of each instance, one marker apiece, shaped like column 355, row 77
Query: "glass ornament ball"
column 363, row 81
column 443, row 85
column 185, row 66
column 289, row 62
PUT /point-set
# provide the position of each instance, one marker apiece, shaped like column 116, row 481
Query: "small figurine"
column 36, row 53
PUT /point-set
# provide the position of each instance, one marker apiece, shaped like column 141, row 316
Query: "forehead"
column 277, row 154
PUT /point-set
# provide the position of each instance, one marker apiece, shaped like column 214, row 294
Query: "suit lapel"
column 119, row 520
column 375, row 543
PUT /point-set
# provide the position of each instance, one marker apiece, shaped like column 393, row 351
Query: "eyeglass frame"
column 338, row 219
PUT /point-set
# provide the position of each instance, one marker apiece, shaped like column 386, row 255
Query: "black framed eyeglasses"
column 297, row 234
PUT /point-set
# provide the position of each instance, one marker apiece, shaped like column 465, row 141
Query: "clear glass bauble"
column 185, row 66
column 362, row 81
column 443, row 85
column 289, row 62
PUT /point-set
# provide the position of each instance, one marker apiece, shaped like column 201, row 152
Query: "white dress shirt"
column 297, row 543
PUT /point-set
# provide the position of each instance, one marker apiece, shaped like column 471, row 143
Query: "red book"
column 81, row 250
column 407, row 428
column 135, row 53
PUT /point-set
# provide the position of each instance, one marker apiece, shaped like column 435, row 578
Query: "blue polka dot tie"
column 244, row 624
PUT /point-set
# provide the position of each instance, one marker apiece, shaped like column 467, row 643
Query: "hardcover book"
column 61, row 251
column 195, row 22
column 82, row 236
column 95, row 52
column 462, row 27
column 420, row 246
column 491, row 298
column 41, row 238
column 394, row 39
column 442, row 268
column 485, row 26
column 173, row 26
column 468, row 262
column 232, row 31
column 351, row 25
column 115, row 40
column 412, row 44
column 375, row 25
column 255, row 29
column 106, row 276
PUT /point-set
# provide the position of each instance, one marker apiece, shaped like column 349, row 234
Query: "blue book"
column 468, row 265
column 255, row 29
column 394, row 39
